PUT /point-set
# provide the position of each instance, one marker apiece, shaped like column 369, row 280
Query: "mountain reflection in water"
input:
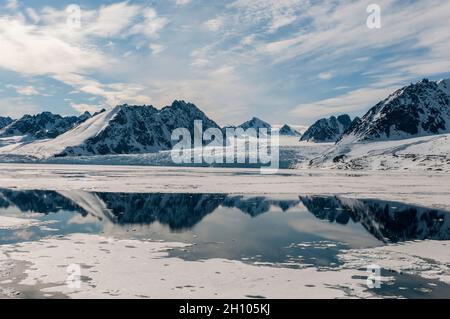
column 385, row 221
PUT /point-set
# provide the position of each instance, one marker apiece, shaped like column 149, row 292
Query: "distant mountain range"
column 125, row 129
column 41, row 126
column 257, row 124
column 408, row 129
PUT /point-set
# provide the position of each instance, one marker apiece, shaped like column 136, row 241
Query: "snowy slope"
column 73, row 138
column 421, row 153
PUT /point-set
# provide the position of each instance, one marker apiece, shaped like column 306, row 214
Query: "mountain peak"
column 327, row 129
column 255, row 123
column 287, row 130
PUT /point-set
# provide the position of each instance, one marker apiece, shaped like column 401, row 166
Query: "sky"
column 284, row 61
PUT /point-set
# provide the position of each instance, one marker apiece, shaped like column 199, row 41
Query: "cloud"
column 12, row 4
column 112, row 20
column 54, row 49
column 25, row 90
column 339, row 31
column 274, row 13
column 27, row 49
column 81, row 108
column 352, row 101
column 33, row 15
column 326, row 75
column 151, row 24
column 113, row 93
column 17, row 106
column 157, row 49
column 215, row 24
column 182, row 2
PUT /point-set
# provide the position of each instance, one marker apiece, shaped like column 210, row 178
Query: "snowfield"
column 430, row 153
column 151, row 273
column 17, row 223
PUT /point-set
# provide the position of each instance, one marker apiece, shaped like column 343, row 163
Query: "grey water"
column 293, row 232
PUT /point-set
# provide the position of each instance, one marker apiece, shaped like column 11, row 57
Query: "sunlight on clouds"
column 29, row 50
column 53, row 49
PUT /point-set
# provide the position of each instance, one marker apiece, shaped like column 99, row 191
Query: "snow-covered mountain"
column 255, row 123
column 404, row 131
column 419, row 109
column 125, row 129
column 287, row 130
column 42, row 126
column 5, row 121
column 327, row 130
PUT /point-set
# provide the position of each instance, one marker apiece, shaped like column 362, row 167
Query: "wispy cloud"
column 49, row 46
column 326, row 75
column 157, row 49
column 27, row 90
column 346, row 103
column 182, row 2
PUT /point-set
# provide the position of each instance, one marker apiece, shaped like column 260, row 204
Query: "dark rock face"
column 37, row 201
column 5, row 121
column 142, row 129
column 419, row 109
column 286, row 130
column 43, row 126
column 178, row 211
column 327, row 130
